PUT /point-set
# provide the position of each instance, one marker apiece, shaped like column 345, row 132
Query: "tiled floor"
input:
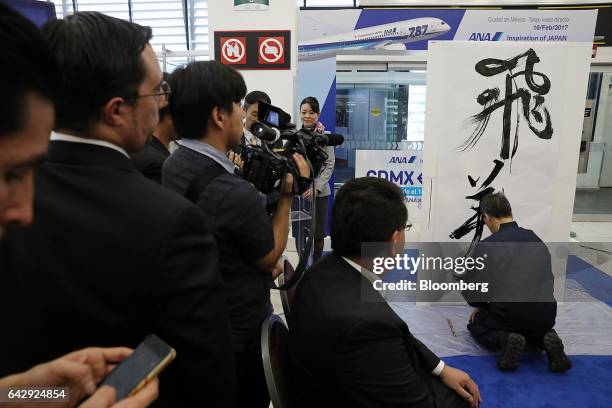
column 592, row 231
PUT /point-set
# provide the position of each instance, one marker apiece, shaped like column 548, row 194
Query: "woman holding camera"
column 309, row 115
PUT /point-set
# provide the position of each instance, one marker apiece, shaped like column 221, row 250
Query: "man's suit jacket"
column 110, row 258
column 348, row 352
column 150, row 160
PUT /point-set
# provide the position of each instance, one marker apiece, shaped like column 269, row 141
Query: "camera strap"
column 303, row 263
column 203, row 179
column 299, row 271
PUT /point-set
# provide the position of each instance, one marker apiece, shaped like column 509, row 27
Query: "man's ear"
column 395, row 237
column 218, row 117
column 396, row 243
column 114, row 112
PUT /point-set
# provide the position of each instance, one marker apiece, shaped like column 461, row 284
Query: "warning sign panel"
column 254, row 49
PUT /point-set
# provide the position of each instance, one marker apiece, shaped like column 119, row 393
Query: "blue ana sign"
column 403, row 168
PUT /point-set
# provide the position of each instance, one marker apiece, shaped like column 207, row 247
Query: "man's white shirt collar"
column 371, row 276
column 97, row 142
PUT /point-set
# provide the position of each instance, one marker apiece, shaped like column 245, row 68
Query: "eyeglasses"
column 408, row 226
column 164, row 90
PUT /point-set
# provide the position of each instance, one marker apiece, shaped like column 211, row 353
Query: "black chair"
column 276, row 361
column 286, row 295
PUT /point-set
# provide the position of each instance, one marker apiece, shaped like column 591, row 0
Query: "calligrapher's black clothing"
column 518, row 268
column 495, row 339
column 110, row 258
column 351, row 352
column 487, row 336
column 150, row 159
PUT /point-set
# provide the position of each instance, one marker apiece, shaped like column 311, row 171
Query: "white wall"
column 282, row 15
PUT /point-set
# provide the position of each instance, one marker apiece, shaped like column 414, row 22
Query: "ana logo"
column 486, row 36
column 402, row 159
column 233, row 50
column 271, row 50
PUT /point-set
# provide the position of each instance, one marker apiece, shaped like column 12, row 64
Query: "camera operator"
column 251, row 110
column 309, row 115
column 208, row 117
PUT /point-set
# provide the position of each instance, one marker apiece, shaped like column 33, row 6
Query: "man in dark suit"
column 352, row 352
column 151, row 158
column 520, row 307
column 26, row 121
column 110, row 256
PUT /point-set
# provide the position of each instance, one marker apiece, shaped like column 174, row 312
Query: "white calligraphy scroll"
column 540, row 179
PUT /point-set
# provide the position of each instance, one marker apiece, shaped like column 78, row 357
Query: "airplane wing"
column 378, row 45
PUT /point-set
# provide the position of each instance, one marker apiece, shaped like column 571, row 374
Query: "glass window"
column 165, row 17
column 62, row 7
column 199, row 35
column 594, row 181
column 167, row 20
column 415, row 128
column 114, row 8
column 378, row 111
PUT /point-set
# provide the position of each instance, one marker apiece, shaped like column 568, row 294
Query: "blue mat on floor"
column 587, row 385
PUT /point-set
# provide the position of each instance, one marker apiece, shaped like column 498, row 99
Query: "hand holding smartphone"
column 147, row 361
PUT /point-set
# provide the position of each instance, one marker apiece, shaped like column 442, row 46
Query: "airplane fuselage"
column 375, row 37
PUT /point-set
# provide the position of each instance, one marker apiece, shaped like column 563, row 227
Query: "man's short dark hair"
column 99, row 58
column 313, row 102
column 27, row 66
column 496, row 205
column 366, row 209
column 254, row 97
column 197, row 89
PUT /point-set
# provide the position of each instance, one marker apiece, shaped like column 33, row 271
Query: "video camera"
column 266, row 168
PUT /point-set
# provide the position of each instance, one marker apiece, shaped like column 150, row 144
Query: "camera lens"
column 258, row 130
